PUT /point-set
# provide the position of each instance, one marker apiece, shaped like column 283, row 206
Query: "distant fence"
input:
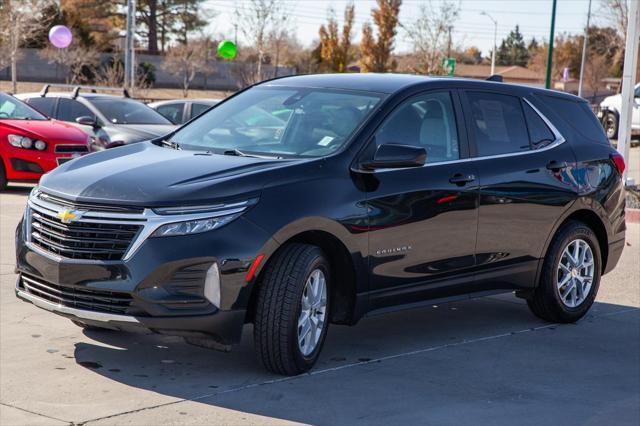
column 223, row 75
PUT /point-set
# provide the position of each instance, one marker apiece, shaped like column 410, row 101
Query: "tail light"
column 618, row 160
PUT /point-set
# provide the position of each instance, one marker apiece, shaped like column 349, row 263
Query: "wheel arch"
column 593, row 221
column 346, row 265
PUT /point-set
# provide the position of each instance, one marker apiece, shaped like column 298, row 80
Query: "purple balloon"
column 60, row 36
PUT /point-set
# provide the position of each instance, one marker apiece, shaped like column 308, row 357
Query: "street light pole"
column 551, row 37
column 495, row 39
column 628, row 80
column 584, row 50
column 129, row 67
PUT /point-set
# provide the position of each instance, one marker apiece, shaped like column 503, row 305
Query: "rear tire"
column 578, row 275
column 292, row 311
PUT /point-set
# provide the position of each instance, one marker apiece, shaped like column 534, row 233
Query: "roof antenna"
column 45, row 90
column 495, row 77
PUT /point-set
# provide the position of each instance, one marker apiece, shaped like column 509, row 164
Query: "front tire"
column 292, row 309
column 3, row 177
column 570, row 275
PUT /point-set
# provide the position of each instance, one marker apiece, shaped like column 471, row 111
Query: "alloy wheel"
column 313, row 312
column 575, row 273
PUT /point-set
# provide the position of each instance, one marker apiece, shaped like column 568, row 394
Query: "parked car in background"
column 32, row 144
column 362, row 194
column 609, row 114
column 110, row 120
column 182, row 110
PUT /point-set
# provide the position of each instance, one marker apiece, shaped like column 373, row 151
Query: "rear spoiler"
column 76, row 89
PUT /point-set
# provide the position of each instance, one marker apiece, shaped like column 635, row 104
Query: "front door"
column 423, row 220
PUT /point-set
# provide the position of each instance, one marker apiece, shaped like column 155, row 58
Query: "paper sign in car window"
column 325, row 141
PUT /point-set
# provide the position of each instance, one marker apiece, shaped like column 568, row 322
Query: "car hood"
column 48, row 130
column 140, row 132
column 148, row 175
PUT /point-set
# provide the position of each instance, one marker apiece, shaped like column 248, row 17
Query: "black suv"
column 310, row 200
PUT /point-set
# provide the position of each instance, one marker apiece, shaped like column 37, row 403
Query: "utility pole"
column 628, row 80
column 551, row 39
column 129, row 54
column 495, row 41
column 449, row 43
column 584, row 50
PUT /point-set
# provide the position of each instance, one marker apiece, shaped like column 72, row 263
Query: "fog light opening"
column 212, row 285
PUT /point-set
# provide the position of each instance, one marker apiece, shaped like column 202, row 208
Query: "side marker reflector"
column 252, row 269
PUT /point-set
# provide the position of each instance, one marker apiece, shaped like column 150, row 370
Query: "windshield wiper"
column 170, row 144
column 236, row 152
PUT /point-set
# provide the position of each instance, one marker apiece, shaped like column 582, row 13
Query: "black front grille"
column 77, row 297
column 81, row 240
column 71, row 148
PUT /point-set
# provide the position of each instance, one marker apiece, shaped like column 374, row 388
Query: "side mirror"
column 395, row 156
column 85, row 120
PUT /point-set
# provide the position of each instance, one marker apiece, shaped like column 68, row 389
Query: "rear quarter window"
column 578, row 115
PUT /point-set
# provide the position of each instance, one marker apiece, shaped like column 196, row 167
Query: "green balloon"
column 227, row 49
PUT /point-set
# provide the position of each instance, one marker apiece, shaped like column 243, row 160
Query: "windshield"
column 127, row 111
column 278, row 121
column 13, row 109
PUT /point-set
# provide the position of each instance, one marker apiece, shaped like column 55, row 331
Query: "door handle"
column 556, row 165
column 462, row 179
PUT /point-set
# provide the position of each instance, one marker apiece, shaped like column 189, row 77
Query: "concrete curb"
column 632, row 215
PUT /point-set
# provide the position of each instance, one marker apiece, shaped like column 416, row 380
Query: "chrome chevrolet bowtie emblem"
column 68, row 216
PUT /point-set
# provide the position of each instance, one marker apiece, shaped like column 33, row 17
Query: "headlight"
column 193, row 226
column 40, row 145
column 20, row 141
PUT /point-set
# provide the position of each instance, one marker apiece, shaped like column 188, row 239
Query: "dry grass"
column 145, row 94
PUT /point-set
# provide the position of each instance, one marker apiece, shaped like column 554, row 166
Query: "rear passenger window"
column 499, row 123
column 539, row 133
column 197, row 109
column 44, row 105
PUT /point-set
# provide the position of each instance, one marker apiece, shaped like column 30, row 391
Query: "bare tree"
column 81, row 61
column 257, row 19
column 185, row 61
column 20, row 20
column 279, row 39
column 596, row 70
column 430, row 32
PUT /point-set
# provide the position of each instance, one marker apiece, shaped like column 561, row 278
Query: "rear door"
column 423, row 220
column 526, row 183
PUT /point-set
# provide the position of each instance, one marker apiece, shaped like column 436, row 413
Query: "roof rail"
column 44, row 90
column 77, row 88
column 495, row 77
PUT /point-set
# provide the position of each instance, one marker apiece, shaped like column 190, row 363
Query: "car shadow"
column 360, row 367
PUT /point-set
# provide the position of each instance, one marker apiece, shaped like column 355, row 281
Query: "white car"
column 609, row 113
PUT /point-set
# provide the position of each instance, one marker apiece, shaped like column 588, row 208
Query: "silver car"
column 180, row 111
column 110, row 120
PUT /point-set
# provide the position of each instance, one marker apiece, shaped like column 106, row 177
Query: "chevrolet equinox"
column 310, row 200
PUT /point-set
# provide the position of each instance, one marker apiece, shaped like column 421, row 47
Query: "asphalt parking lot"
column 483, row 361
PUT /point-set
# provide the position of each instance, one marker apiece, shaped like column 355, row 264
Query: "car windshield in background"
column 279, row 121
column 127, row 111
column 13, row 109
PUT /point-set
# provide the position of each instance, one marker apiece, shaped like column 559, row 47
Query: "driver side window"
column 425, row 121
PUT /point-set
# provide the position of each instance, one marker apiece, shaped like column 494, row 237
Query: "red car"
column 32, row 144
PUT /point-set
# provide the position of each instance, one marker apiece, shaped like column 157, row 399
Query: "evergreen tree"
column 513, row 50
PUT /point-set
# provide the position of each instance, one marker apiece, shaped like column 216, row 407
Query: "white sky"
column 533, row 16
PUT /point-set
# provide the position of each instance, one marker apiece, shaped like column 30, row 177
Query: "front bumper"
column 222, row 327
column 162, row 283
